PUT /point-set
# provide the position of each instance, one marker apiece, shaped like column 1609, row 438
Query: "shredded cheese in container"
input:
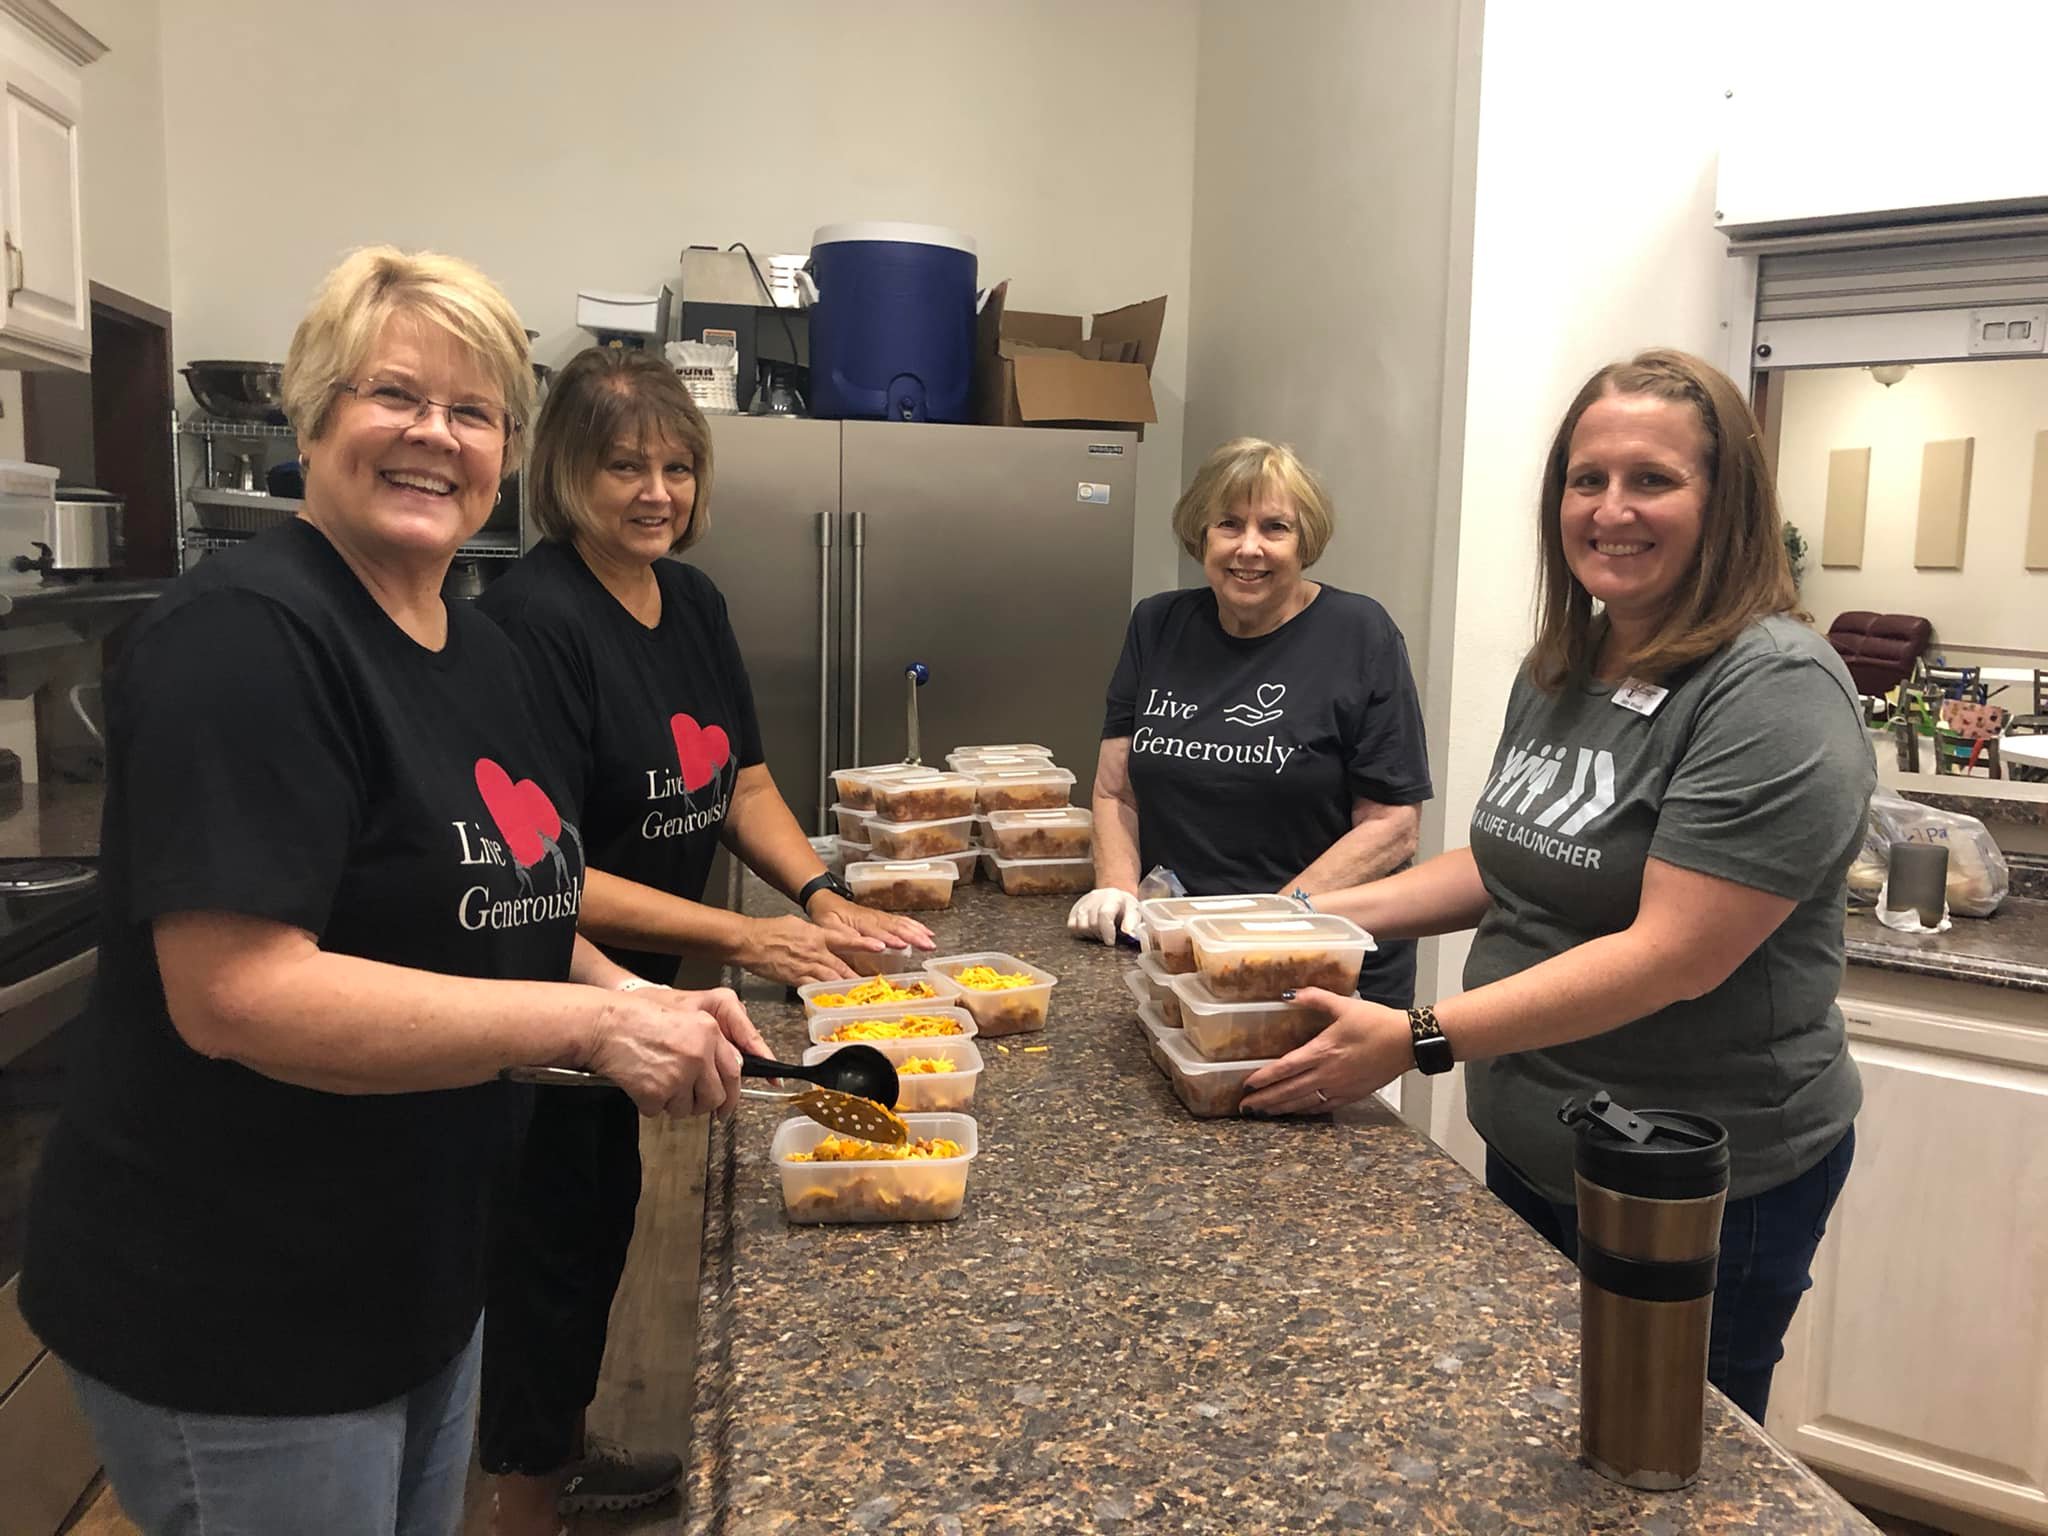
column 847, row 1149
column 986, row 978
column 911, row 1065
column 876, row 989
column 912, row 1026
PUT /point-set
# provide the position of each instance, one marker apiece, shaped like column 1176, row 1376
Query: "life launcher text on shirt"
column 1151, row 743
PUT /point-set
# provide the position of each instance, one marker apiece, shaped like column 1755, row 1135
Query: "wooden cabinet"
column 1919, row 1361
column 45, row 315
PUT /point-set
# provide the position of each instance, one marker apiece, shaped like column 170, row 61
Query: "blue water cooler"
column 892, row 327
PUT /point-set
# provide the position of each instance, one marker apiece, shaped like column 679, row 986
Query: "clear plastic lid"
column 992, row 857
column 1037, row 774
column 1059, row 816
column 1194, row 995
column 878, row 871
column 884, row 824
column 1003, row 749
column 1169, row 912
column 1316, row 931
column 914, row 796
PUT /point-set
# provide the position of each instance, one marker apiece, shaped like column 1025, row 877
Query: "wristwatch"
column 1432, row 1050
column 825, row 882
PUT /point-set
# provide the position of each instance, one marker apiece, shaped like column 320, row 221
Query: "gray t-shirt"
column 1755, row 769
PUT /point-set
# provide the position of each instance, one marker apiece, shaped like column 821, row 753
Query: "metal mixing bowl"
column 237, row 391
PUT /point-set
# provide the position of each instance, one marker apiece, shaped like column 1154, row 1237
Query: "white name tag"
column 1641, row 697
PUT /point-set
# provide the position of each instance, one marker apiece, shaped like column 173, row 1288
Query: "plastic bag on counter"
column 1160, row 882
column 1977, row 875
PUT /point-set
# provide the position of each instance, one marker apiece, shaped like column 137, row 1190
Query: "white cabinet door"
column 1920, row 1358
column 45, row 317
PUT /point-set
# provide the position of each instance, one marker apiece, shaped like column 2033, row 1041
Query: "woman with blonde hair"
column 1657, row 863
column 646, row 700
column 340, row 894
column 1262, row 731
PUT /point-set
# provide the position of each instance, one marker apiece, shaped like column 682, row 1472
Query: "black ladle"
column 857, row 1070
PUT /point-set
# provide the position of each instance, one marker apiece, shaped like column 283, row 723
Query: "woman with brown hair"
column 645, row 700
column 1657, row 864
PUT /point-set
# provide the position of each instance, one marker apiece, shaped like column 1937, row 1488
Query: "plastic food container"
column 1043, row 877
column 1208, row 1090
column 1255, row 959
column 851, row 852
column 925, row 1092
column 1004, row 1010
column 1136, row 984
column 1166, row 921
column 853, row 823
column 1222, row 1031
column 1042, row 788
column 1149, row 1026
column 923, row 885
column 1159, row 989
column 909, row 1189
column 941, row 994
column 831, row 853
column 1067, row 833
column 921, row 839
column 925, row 797
column 881, row 962
column 855, row 786
column 830, row 1020
column 967, row 862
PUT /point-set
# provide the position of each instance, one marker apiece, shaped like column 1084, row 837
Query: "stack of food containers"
column 1218, row 966
column 911, row 1019
column 1037, row 843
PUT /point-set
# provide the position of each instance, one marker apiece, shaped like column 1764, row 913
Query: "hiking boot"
column 611, row 1477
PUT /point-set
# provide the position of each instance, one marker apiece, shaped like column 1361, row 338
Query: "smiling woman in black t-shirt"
column 341, row 879
column 646, row 698
column 1262, row 732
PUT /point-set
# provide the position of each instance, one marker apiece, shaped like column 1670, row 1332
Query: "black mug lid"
column 1659, row 1154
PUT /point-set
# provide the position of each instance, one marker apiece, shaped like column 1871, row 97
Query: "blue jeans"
column 396, row 1469
column 1767, row 1246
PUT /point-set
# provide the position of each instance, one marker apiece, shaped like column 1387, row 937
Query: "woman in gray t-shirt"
column 1656, row 864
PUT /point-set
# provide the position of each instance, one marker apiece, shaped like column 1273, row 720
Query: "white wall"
column 1592, row 238
column 583, row 147
column 1993, row 601
column 1323, row 145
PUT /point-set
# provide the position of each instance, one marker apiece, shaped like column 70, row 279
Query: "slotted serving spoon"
column 856, row 1085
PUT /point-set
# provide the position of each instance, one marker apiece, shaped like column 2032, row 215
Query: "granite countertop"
column 1147, row 1322
column 2007, row 949
column 54, row 820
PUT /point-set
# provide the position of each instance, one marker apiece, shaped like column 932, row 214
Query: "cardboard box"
column 1042, row 370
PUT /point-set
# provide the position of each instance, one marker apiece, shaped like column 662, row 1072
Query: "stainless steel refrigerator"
column 999, row 557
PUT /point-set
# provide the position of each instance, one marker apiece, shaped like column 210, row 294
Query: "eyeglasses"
column 394, row 405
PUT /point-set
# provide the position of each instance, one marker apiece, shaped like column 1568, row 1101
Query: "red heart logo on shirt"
column 701, row 750
column 525, row 817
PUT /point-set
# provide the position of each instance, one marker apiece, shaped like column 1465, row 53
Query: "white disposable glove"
column 1100, row 913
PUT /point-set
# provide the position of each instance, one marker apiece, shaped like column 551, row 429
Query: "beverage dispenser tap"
column 919, row 674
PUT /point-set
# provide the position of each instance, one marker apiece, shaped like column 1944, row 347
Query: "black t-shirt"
column 1246, row 755
column 652, row 725
column 202, row 1236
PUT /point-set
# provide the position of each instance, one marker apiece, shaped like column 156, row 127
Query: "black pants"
column 1767, row 1246
column 563, row 1230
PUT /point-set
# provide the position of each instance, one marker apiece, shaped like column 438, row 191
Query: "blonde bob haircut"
column 1235, row 474
column 373, row 284
column 1740, row 572
column 603, row 398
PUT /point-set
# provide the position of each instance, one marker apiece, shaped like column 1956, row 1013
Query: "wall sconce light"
column 1889, row 374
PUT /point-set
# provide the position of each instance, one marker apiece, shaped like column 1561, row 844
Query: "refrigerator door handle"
column 857, row 527
column 825, row 539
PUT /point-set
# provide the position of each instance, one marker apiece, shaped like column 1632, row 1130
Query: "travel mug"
column 1916, row 876
column 1651, row 1184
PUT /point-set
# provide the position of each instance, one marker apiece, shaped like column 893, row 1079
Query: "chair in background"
column 1962, row 683
column 1954, row 754
column 1879, row 649
column 2034, row 721
column 1906, row 732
